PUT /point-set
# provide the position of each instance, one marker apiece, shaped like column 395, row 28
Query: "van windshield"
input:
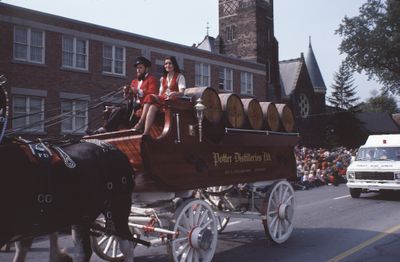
column 378, row 154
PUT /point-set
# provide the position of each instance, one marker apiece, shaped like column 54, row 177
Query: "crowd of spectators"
column 316, row 167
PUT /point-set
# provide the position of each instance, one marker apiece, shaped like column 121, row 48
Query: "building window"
column 28, row 114
column 231, row 33
column 269, row 80
column 202, row 74
column 226, row 79
column 229, row 7
column 159, row 69
column 75, row 53
column 28, row 45
column 75, row 116
column 304, row 105
column 114, row 59
column 246, row 83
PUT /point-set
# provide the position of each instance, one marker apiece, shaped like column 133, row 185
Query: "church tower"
column 316, row 79
column 246, row 31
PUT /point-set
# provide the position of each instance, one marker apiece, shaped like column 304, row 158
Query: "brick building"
column 55, row 65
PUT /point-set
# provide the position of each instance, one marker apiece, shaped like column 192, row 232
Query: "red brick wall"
column 55, row 79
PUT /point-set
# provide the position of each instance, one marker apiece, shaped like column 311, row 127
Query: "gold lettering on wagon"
column 236, row 157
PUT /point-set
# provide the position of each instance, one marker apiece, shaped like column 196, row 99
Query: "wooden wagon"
column 203, row 164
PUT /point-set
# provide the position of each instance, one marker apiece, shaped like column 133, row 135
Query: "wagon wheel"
column 3, row 108
column 279, row 211
column 107, row 246
column 218, row 200
column 196, row 225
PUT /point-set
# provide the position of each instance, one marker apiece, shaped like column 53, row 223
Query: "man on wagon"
column 140, row 95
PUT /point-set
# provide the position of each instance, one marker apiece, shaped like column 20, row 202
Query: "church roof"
column 378, row 123
column 207, row 44
column 314, row 72
column 289, row 74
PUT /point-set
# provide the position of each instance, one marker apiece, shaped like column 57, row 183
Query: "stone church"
column 246, row 31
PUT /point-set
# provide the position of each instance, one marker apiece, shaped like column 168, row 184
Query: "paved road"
column 330, row 226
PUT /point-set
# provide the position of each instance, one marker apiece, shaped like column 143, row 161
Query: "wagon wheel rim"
column 106, row 246
column 197, row 234
column 279, row 213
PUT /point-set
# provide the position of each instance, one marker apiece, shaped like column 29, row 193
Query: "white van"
column 376, row 166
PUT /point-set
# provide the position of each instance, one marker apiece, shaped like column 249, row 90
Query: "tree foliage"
column 344, row 91
column 371, row 41
column 381, row 103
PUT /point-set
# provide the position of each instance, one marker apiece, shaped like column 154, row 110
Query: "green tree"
column 344, row 91
column 381, row 103
column 371, row 41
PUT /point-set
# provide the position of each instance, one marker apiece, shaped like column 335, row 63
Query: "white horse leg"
column 21, row 249
column 81, row 239
column 127, row 248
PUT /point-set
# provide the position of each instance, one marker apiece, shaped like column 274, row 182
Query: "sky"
column 186, row 21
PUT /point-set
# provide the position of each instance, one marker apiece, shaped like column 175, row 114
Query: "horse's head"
column 3, row 107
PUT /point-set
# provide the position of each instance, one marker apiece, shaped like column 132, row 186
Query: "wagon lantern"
column 199, row 107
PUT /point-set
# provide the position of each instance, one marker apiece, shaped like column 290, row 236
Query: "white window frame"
column 202, row 74
column 230, row 33
column 158, row 70
column 246, row 83
column 26, row 128
column 74, row 129
column 114, row 60
column 226, row 79
column 74, row 53
column 29, row 45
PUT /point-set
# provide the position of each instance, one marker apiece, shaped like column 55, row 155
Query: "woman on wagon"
column 172, row 83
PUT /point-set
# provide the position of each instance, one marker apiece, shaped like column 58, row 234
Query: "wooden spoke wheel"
column 197, row 231
column 3, row 112
column 104, row 245
column 279, row 211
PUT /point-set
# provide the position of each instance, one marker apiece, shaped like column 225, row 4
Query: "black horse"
column 44, row 188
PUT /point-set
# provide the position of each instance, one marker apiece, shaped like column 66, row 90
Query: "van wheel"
column 355, row 192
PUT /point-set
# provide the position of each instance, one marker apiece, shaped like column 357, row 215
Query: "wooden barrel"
column 286, row 117
column 233, row 109
column 210, row 98
column 253, row 112
column 271, row 116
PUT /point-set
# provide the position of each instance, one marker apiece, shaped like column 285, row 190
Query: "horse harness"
column 44, row 156
column 106, row 147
